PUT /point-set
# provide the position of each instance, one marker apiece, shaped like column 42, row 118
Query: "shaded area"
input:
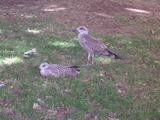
column 109, row 90
column 99, row 15
column 7, row 3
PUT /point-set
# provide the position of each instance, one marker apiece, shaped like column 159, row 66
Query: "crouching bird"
column 56, row 70
column 92, row 45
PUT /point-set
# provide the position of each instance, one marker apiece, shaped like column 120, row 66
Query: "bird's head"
column 43, row 66
column 81, row 29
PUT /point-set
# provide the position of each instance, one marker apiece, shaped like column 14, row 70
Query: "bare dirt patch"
column 101, row 16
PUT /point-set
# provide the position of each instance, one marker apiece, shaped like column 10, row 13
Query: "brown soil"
column 100, row 16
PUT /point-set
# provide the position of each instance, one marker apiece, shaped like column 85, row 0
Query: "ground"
column 109, row 90
column 100, row 16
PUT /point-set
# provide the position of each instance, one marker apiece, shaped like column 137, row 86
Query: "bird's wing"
column 55, row 66
column 92, row 44
column 56, row 69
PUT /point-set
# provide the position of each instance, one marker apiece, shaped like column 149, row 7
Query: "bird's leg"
column 92, row 59
column 88, row 62
column 89, row 55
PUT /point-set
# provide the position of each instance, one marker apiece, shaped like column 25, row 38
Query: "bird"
column 56, row 70
column 93, row 45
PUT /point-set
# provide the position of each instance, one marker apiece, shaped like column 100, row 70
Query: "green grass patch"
column 125, row 90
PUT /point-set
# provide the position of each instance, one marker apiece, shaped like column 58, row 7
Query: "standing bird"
column 56, row 70
column 93, row 45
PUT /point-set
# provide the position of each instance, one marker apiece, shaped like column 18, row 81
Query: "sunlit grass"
column 137, row 10
column 30, row 16
column 104, row 60
column 54, row 9
column 94, row 92
column 0, row 31
column 10, row 60
column 125, row 41
column 62, row 44
column 35, row 31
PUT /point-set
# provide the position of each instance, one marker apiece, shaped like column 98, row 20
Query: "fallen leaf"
column 5, row 103
column 121, row 89
column 126, row 74
column 153, row 32
column 36, row 106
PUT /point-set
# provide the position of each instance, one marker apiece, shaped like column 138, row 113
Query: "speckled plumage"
column 56, row 70
column 92, row 45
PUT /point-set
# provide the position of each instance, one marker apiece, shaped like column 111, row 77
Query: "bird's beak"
column 38, row 69
column 74, row 30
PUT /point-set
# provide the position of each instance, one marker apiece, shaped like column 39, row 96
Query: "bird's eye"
column 43, row 65
column 81, row 28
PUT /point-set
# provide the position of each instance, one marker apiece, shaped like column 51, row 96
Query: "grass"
column 93, row 93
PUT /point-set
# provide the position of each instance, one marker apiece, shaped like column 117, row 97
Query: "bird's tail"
column 74, row 67
column 113, row 55
column 75, row 70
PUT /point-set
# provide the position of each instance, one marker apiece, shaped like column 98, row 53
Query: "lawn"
column 108, row 90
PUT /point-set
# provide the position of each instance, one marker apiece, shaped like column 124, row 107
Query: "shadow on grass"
column 94, row 90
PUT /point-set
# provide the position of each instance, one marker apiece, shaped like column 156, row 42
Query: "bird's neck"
column 81, row 33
